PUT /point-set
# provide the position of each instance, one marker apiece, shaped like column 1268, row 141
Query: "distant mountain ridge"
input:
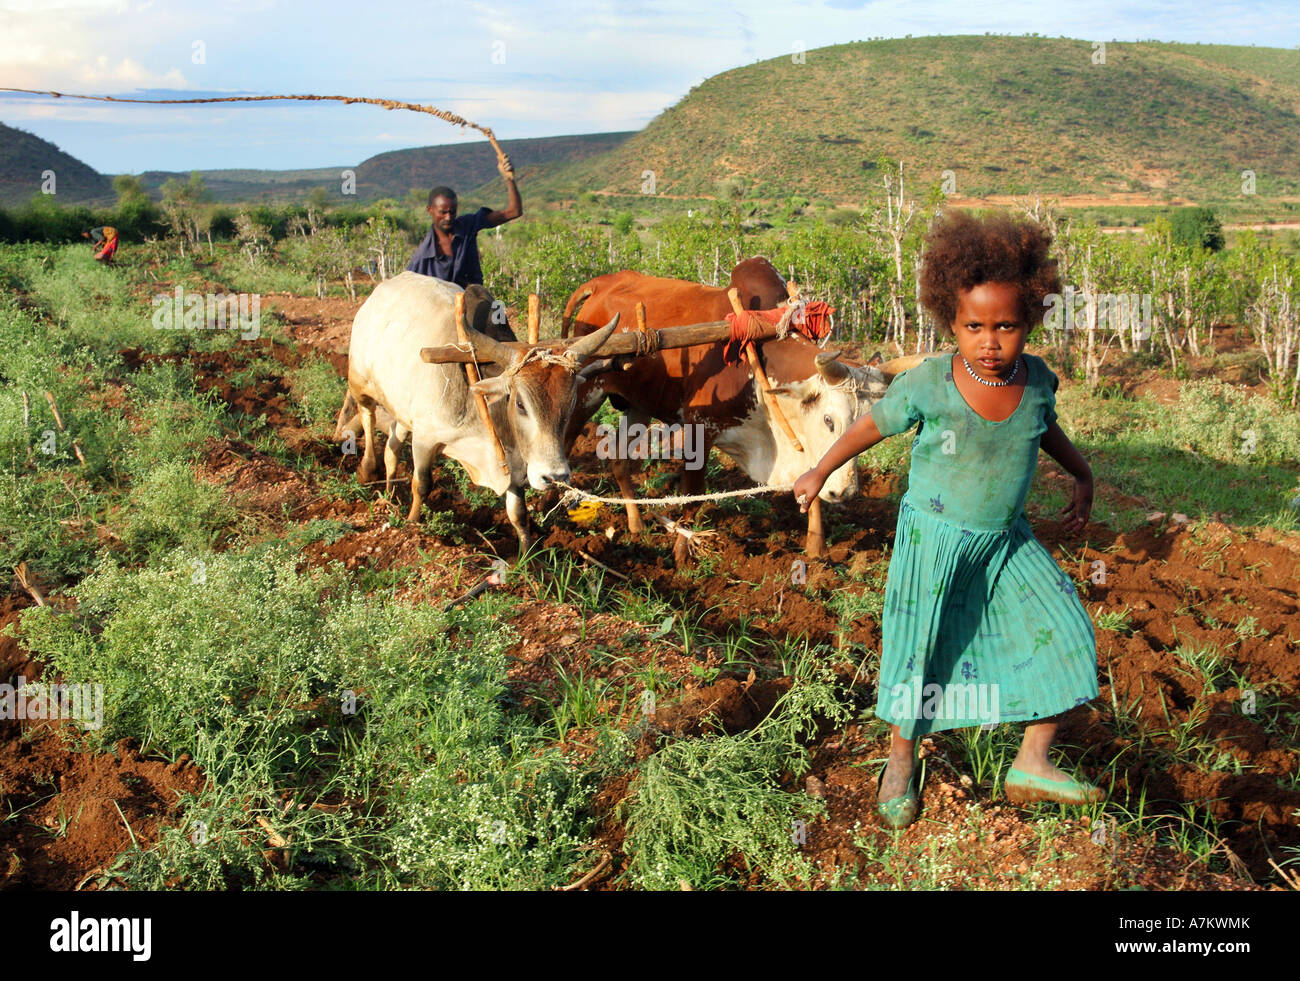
column 466, row 166
column 24, row 157
column 463, row 166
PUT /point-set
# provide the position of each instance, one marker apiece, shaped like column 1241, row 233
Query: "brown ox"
column 819, row 396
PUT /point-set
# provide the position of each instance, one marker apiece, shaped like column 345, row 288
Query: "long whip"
column 442, row 114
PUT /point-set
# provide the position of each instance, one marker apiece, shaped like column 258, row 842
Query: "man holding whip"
column 450, row 250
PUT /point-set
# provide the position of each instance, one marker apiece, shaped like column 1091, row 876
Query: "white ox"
column 529, row 402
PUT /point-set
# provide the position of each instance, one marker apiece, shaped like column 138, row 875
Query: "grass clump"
column 171, row 508
column 316, row 391
column 707, row 811
column 374, row 736
column 1223, row 422
column 174, row 420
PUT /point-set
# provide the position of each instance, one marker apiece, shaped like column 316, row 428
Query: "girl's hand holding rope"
column 806, row 489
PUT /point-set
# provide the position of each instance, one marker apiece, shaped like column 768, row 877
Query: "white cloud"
column 84, row 45
column 591, row 112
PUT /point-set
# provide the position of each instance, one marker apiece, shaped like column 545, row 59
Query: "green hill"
column 1154, row 123
column 1007, row 115
column 23, row 158
column 249, row 185
column 464, row 166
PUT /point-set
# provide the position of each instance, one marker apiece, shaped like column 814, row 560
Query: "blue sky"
column 525, row 69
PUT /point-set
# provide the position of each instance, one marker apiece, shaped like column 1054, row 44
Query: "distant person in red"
column 106, row 238
column 450, row 250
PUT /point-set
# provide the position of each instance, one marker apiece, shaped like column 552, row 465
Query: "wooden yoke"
column 534, row 317
column 471, row 372
column 756, row 366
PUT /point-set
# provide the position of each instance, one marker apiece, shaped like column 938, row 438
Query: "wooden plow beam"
column 471, row 372
column 626, row 342
column 814, row 545
column 815, row 542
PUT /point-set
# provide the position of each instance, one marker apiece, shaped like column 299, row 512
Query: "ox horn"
column 867, row 374
column 589, row 344
column 897, row 366
column 596, row 367
column 488, row 348
column 830, row 368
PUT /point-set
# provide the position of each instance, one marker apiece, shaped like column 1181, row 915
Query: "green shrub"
column 170, row 507
column 316, row 391
column 42, row 523
column 1196, row 228
column 289, row 683
column 175, row 421
column 1233, row 426
column 700, row 802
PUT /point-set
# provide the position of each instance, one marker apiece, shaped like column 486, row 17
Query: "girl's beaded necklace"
column 1007, row 381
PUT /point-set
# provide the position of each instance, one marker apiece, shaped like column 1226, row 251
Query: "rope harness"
column 574, row 494
column 562, row 359
column 811, row 318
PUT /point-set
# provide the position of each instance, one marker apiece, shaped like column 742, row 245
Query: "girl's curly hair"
column 962, row 252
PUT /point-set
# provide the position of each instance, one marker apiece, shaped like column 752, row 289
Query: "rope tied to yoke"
column 562, row 358
column 811, row 318
column 647, row 341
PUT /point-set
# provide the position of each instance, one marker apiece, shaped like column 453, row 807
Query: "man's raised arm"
column 516, row 206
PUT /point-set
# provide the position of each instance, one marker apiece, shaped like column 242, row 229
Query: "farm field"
column 288, row 705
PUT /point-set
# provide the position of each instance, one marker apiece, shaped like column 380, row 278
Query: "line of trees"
column 187, row 218
column 1183, row 284
column 1162, row 294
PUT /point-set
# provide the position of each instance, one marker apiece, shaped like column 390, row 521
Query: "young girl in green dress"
column 980, row 625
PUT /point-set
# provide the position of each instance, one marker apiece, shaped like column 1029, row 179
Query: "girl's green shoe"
column 1025, row 788
column 900, row 811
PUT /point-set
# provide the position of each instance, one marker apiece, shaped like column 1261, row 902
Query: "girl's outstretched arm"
column 858, row 438
column 1058, row 446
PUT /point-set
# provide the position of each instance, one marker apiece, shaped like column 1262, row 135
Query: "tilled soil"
column 1177, row 584
column 66, row 812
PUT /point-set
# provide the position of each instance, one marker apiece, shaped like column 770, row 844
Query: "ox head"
column 532, row 398
column 760, row 286
column 821, row 406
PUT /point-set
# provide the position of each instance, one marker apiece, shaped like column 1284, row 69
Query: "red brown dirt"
column 1154, row 572
column 62, row 805
column 325, row 324
column 1194, row 585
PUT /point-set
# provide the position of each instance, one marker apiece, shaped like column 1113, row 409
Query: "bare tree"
column 181, row 206
column 381, row 241
column 254, row 239
column 1274, row 322
column 893, row 226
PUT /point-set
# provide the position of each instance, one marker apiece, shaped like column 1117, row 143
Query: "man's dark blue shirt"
column 462, row 266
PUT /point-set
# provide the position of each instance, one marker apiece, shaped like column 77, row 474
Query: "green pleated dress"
column 980, row 624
